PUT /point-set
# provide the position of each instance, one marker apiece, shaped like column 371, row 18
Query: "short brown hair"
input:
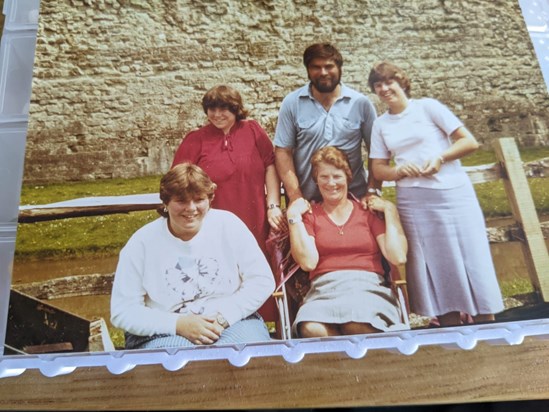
column 383, row 71
column 224, row 97
column 332, row 156
column 185, row 181
column 322, row 51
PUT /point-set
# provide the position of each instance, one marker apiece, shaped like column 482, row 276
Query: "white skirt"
column 449, row 267
column 351, row 296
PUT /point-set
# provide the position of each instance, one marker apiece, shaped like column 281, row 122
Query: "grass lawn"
column 105, row 235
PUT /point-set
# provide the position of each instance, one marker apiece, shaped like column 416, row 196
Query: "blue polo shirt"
column 305, row 126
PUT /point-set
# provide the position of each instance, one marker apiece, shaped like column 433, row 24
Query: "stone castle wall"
column 118, row 83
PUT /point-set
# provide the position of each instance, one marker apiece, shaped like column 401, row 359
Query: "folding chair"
column 283, row 267
column 293, row 283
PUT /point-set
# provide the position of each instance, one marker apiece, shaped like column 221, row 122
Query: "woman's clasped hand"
column 199, row 329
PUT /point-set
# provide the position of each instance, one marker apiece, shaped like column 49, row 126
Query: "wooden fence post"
column 524, row 213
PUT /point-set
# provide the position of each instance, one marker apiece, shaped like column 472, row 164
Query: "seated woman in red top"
column 341, row 245
column 238, row 156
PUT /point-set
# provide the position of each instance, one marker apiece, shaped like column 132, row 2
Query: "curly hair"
column 332, row 156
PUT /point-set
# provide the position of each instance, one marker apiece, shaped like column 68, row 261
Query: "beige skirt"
column 351, row 296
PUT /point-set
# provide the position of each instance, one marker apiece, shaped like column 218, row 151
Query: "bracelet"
column 442, row 161
column 272, row 206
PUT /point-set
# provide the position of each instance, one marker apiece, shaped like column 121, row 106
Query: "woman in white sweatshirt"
column 195, row 276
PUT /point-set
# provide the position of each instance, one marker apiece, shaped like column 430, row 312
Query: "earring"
column 165, row 209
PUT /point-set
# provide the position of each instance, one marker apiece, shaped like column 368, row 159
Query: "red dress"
column 237, row 164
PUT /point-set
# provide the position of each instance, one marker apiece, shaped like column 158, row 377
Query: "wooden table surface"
column 432, row 375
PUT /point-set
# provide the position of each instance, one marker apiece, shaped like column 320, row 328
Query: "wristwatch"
column 293, row 221
column 222, row 321
column 273, row 206
column 375, row 191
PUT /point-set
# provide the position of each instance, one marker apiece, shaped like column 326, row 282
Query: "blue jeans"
column 248, row 330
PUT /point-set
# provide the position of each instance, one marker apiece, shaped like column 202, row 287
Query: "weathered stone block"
column 130, row 74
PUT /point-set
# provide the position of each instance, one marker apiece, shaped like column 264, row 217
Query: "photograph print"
column 205, row 173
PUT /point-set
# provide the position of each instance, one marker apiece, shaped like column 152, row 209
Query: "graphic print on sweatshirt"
column 193, row 279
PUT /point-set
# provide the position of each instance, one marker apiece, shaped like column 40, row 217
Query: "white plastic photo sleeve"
column 96, row 97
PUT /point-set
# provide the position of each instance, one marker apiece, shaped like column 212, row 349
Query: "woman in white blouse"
column 449, row 269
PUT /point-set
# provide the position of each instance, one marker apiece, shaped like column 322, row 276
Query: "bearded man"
column 322, row 113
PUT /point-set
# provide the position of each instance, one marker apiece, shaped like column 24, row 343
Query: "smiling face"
column 391, row 84
column 332, row 183
column 324, row 74
column 391, row 93
column 222, row 118
column 185, row 217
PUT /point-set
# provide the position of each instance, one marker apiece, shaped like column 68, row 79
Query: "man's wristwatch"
column 375, row 191
column 222, row 321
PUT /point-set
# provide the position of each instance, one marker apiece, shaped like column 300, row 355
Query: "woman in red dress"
column 238, row 156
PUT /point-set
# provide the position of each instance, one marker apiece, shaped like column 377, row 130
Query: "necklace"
column 339, row 227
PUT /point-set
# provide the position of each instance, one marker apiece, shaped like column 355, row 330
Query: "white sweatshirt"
column 221, row 269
